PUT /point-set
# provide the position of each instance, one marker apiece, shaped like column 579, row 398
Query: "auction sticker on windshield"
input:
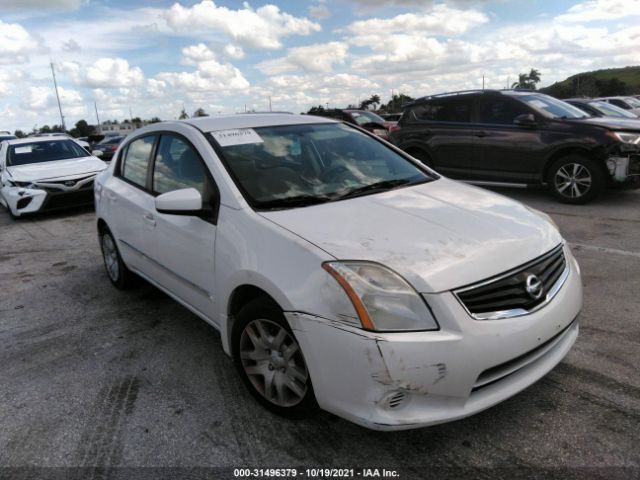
column 236, row 136
column 26, row 149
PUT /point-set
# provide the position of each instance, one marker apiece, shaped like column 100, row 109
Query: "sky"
column 151, row 58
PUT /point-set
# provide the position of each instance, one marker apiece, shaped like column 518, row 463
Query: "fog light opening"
column 395, row 400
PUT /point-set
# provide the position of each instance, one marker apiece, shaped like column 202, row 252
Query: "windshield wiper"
column 377, row 187
column 292, row 202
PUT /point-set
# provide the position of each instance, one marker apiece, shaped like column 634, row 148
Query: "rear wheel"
column 117, row 271
column 270, row 360
column 575, row 179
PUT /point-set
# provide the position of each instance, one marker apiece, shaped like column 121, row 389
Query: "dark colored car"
column 596, row 108
column 391, row 117
column 521, row 137
column 108, row 147
column 4, row 136
column 363, row 118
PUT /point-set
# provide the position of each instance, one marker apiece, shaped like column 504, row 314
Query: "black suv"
column 521, row 137
column 363, row 118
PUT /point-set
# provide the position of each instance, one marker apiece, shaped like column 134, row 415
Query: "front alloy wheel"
column 270, row 360
column 576, row 179
column 573, row 180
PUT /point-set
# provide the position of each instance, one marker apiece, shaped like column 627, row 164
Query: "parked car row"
column 521, row 137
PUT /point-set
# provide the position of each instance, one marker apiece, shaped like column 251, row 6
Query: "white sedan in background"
column 45, row 173
column 340, row 271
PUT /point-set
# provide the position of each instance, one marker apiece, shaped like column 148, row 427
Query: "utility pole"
column 95, row 106
column 270, row 104
column 482, row 82
column 130, row 116
column 55, row 84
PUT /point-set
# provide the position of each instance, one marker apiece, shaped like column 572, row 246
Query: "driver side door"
column 504, row 151
column 183, row 245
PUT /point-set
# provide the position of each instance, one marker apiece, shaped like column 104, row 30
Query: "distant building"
column 118, row 128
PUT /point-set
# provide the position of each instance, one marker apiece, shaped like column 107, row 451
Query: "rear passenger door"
column 505, row 151
column 130, row 203
column 442, row 127
column 183, row 245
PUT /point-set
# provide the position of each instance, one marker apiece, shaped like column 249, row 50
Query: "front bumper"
column 22, row 201
column 624, row 168
column 394, row 381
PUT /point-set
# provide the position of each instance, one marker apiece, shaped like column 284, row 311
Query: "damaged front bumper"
column 624, row 168
column 395, row 381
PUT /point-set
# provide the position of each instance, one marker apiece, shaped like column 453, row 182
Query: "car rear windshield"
column 611, row 110
column 551, row 107
column 37, row 152
column 298, row 165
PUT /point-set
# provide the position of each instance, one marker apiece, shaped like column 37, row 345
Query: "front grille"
column 55, row 186
column 70, row 199
column 507, row 295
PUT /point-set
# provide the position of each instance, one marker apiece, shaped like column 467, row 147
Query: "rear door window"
column 135, row 163
column 447, row 109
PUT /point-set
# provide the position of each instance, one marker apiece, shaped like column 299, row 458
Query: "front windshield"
column 611, row 110
column 47, row 151
column 551, row 107
column 298, row 165
column 362, row 118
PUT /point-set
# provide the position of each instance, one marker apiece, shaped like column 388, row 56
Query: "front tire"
column 576, row 179
column 118, row 273
column 270, row 361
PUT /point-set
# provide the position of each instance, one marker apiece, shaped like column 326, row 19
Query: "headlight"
column 626, row 137
column 383, row 300
column 20, row 184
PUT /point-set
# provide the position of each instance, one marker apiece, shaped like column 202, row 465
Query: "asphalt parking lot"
column 94, row 377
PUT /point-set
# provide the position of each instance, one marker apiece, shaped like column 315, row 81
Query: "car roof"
column 252, row 120
column 19, row 141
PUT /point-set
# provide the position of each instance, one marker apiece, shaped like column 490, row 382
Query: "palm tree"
column 527, row 80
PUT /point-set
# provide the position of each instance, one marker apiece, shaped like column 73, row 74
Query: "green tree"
column 183, row 115
column 19, row 134
column 396, row 102
column 527, row 80
column 200, row 113
column 155, row 120
column 82, row 129
column 372, row 100
column 314, row 110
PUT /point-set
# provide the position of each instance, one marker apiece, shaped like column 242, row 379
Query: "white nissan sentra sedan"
column 341, row 272
column 45, row 173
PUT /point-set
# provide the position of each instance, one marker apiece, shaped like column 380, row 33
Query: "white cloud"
column 261, row 28
column 16, row 44
column 197, row 53
column 440, row 20
column 600, row 10
column 71, row 46
column 103, row 73
column 233, row 51
column 211, row 75
column 43, row 98
column 318, row 58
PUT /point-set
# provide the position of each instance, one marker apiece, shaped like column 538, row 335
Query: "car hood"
column 439, row 235
column 614, row 123
column 58, row 169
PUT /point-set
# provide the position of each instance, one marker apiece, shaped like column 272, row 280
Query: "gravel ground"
column 94, row 377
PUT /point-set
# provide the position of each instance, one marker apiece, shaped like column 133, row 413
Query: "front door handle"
column 150, row 219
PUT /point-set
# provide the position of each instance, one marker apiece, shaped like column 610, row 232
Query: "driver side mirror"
column 186, row 201
column 525, row 120
column 97, row 153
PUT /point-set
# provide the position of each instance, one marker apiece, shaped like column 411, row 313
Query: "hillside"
column 611, row 81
